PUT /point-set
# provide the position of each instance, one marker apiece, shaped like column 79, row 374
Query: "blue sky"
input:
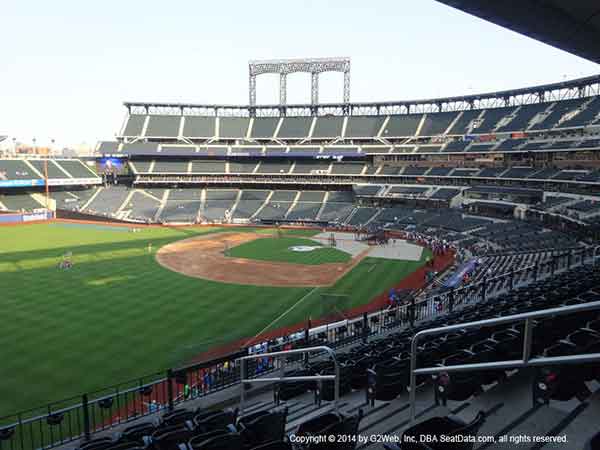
column 67, row 65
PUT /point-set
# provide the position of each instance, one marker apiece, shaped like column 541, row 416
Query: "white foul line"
column 277, row 319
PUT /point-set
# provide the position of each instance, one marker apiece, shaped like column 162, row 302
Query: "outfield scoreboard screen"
column 112, row 165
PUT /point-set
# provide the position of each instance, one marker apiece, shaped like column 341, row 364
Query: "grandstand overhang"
column 580, row 87
column 573, row 26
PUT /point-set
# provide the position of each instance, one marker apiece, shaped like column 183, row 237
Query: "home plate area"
column 395, row 248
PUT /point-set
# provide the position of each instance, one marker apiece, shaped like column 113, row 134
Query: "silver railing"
column 283, row 379
column 525, row 361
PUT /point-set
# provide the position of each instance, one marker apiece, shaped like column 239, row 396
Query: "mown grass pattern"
column 118, row 315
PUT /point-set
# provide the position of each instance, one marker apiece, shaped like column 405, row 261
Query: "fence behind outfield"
column 83, row 416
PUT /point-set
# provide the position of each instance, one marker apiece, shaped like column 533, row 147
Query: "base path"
column 203, row 257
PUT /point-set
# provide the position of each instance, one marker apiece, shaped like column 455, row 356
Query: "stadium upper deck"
column 572, row 106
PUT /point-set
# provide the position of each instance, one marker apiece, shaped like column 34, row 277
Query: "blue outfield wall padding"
column 28, row 217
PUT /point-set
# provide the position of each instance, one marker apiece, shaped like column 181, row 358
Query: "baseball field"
column 126, row 308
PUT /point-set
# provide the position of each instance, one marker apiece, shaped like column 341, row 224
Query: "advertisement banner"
column 51, row 182
column 21, row 183
column 27, row 217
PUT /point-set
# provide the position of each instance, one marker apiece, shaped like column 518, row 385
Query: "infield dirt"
column 204, row 257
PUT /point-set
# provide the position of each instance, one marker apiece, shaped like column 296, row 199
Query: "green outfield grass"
column 117, row 314
column 278, row 249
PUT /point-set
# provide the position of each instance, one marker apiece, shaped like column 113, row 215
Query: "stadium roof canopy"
column 573, row 25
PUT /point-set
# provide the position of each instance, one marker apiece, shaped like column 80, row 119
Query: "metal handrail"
column 430, row 296
column 284, row 379
column 517, row 363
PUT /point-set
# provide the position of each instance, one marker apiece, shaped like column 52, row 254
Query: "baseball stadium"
column 415, row 274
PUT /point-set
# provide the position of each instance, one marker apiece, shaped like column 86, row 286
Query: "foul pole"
column 46, row 183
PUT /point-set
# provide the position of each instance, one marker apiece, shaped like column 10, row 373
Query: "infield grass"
column 118, row 315
column 280, row 249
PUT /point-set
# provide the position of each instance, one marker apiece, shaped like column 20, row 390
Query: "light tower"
column 283, row 67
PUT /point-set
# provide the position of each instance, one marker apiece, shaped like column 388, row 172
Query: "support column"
column 347, row 86
column 282, row 88
column 252, row 89
column 314, row 88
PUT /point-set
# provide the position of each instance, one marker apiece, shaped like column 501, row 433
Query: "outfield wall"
column 18, row 218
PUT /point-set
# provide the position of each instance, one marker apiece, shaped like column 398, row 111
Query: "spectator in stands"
column 153, row 407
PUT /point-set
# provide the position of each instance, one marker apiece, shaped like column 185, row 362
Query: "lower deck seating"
column 274, row 211
column 336, row 212
column 142, row 207
column 245, row 209
column 216, row 210
column 362, row 216
column 180, row 211
column 20, row 202
column 108, row 201
column 71, row 200
column 304, row 211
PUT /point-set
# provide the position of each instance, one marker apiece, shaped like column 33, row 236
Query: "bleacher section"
column 522, row 118
column 208, row 166
column 77, row 169
column 108, row 201
column 180, row 211
column 401, row 126
column 274, row 168
column 363, row 127
column 264, row 127
column 328, row 127
column 304, row 211
column 295, row 128
column 170, row 167
column 199, row 127
column 462, row 124
column 233, row 127
column 134, row 125
column 20, row 202
column 558, row 111
column 490, row 119
column 142, row 207
column 17, row 170
column 53, row 170
column 71, row 200
column 523, row 236
column 163, row 126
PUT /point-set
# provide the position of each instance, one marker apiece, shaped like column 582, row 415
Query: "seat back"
column 472, row 427
column 266, row 428
column 217, row 421
column 222, row 442
column 273, row 446
column 171, row 439
column 127, row 445
column 317, row 424
column 178, row 417
column 195, row 442
column 137, row 432
column 97, row 444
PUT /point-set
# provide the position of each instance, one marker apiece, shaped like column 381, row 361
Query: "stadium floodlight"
column 283, row 67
